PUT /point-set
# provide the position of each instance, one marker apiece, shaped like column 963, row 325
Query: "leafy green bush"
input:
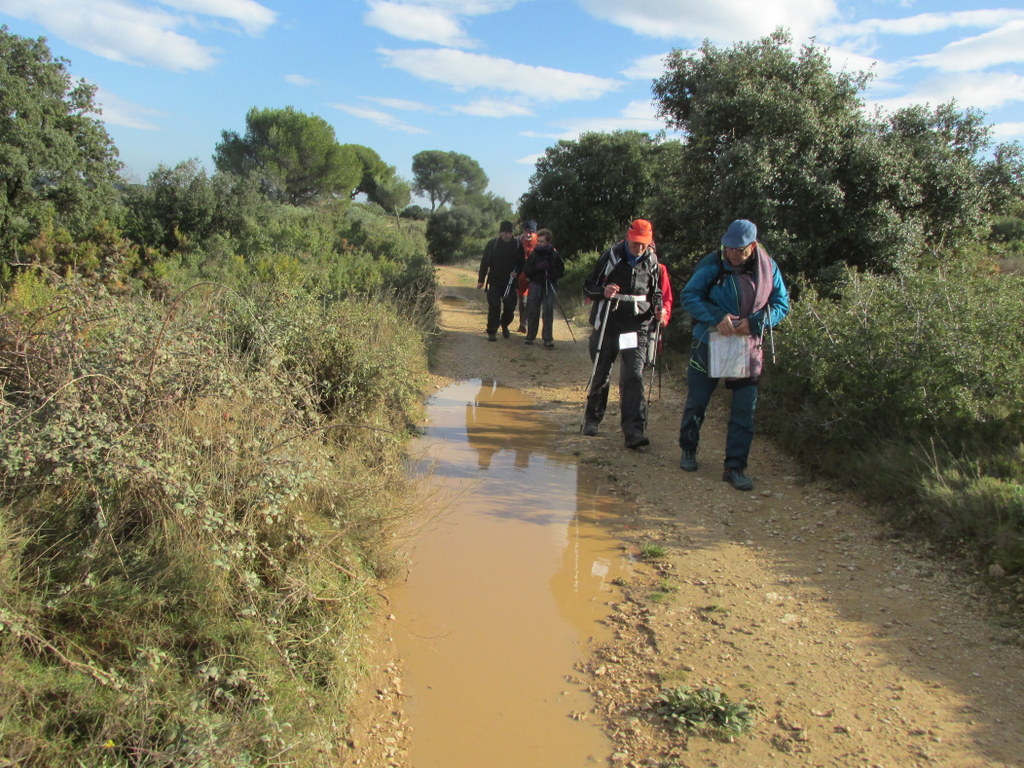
column 900, row 381
column 570, row 287
column 190, row 520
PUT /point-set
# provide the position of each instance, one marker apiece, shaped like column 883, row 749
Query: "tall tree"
column 782, row 139
column 588, row 190
column 766, row 135
column 295, row 156
column 380, row 182
column 457, row 232
column 57, row 163
column 447, row 178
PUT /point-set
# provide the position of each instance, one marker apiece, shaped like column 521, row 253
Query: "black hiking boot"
column 635, row 442
column 737, row 479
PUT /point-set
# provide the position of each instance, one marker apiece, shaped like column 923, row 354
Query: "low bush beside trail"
column 912, row 387
column 195, row 498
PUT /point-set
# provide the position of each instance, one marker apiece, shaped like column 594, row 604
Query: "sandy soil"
column 863, row 649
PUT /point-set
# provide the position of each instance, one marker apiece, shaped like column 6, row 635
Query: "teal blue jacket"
column 711, row 293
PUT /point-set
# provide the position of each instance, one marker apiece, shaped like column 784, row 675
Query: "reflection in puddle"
column 504, row 591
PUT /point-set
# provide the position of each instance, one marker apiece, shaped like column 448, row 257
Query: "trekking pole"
column 661, row 365
column 511, row 279
column 654, row 362
column 559, row 303
column 597, row 356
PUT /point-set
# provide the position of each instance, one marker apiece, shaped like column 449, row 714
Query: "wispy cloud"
column 925, row 23
column 249, row 15
column 646, row 68
column 979, row 90
column 117, row 111
column 404, row 105
column 1004, row 45
column 635, row 116
column 137, row 33
column 420, row 22
column 380, row 118
column 721, row 21
column 495, row 108
column 1007, row 131
column 431, row 21
column 465, row 71
column 300, row 80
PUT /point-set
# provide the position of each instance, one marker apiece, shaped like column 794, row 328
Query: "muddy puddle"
column 507, row 586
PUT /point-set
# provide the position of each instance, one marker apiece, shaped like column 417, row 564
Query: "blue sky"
column 498, row 80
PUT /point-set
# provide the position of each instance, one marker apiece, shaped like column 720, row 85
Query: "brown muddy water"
column 507, row 586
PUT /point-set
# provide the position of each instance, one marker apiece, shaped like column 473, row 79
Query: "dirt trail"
column 862, row 649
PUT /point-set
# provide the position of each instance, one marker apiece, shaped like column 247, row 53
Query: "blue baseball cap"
column 740, row 234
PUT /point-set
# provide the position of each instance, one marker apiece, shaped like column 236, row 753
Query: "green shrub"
column 900, row 379
column 190, row 521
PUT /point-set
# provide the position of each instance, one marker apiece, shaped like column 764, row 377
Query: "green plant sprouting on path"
column 706, row 710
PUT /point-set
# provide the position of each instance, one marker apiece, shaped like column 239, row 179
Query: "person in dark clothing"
column 625, row 288
column 544, row 267
column 500, row 266
column 737, row 290
column 527, row 241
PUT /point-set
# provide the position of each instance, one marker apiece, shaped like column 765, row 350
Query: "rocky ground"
column 859, row 647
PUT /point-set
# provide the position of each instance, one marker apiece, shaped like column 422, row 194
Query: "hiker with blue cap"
column 735, row 295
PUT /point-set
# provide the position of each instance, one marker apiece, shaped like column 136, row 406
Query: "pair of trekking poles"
column 597, row 359
column 549, row 287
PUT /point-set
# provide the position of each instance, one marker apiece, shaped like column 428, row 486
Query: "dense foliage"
column 205, row 392
column 194, row 495
column 910, row 388
column 780, row 138
column 588, row 190
column 294, row 157
column 58, row 166
column 447, row 178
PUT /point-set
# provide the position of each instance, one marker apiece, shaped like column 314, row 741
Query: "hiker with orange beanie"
column 625, row 288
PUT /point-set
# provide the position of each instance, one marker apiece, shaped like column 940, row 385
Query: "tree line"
column 780, row 138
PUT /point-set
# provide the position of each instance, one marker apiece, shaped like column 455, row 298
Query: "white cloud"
column 117, row 111
column 405, row 105
column 925, row 23
column 250, row 16
column 380, row 118
column 646, row 68
column 495, row 108
column 635, row 116
column 529, row 159
column 411, row 21
column 431, row 21
column 464, row 71
column 1008, row 131
column 1004, row 45
column 119, row 30
column 300, row 80
column 981, row 91
column 723, row 21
